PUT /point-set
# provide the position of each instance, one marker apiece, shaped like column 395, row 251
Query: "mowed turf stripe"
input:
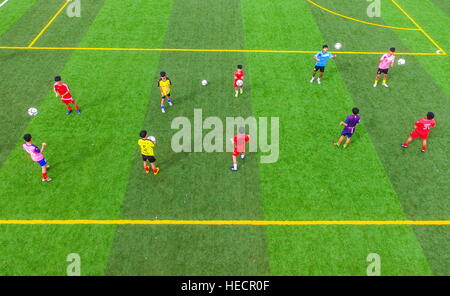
column 442, row 5
column 312, row 179
column 420, row 180
column 9, row 14
column 194, row 185
column 91, row 153
column 435, row 86
column 27, row 81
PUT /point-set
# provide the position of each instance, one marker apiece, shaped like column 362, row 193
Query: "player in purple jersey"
column 349, row 127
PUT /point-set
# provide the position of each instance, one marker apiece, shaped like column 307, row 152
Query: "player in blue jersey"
column 349, row 127
column 321, row 58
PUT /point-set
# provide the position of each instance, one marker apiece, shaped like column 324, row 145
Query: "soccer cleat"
column 233, row 169
column 79, row 111
column 163, row 111
column 312, row 80
column 241, row 91
column 155, row 172
column 170, row 104
column 423, row 150
column 385, row 85
column 337, row 144
column 318, row 80
column 375, row 84
column 236, row 95
column 242, row 156
column 345, row 146
column 68, row 112
column 147, row 171
column 46, row 180
column 404, row 146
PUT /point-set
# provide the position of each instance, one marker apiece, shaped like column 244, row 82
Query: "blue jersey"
column 323, row 57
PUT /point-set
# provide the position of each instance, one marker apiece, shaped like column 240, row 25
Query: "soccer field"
column 316, row 210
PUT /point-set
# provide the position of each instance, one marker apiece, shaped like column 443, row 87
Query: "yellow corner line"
column 360, row 21
column 49, row 23
column 419, row 27
column 209, row 50
column 224, row 222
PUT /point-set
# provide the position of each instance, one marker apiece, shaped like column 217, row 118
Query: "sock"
column 338, row 144
column 44, row 176
column 147, row 169
column 155, row 170
column 235, row 166
column 384, row 81
column 405, row 145
column 376, row 81
column 162, row 107
column 76, row 107
column 68, row 107
column 424, row 148
column 168, row 100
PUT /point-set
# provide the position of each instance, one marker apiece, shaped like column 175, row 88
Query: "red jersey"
column 63, row 90
column 238, row 75
column 240, row 141
column 424, row 125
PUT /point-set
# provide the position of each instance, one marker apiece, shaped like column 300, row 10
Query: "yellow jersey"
column 164, row 86
column 146, row 147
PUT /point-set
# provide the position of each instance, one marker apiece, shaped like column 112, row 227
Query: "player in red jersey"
column 62, row 90
column 239, row 146
column 238, row 81
column 422, row 128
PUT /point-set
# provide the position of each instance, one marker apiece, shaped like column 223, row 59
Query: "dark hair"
column 239, row 66
column 241, row 130
column 27, row 137
column 324, row 46
column 355, row 110
column 58, row 78
column 162, row 74
column 430, row 115
column 143, row 133
column 392, row 49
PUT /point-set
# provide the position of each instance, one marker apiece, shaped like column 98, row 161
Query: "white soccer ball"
column 401, row 61
column 152, row 138
column 338, row 46
column 239, row 82
column 438, row 51
column 204, row 82
column 32, row 111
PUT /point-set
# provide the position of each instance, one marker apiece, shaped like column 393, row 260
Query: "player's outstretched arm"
column 43, row 146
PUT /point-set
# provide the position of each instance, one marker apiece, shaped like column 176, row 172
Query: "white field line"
column 3, row 3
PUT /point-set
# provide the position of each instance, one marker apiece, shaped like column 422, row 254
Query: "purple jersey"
column 351, row 121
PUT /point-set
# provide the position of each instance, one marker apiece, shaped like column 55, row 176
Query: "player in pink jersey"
column 239, row 142
column 36, row 155
column 422, row 129
column 386, row 61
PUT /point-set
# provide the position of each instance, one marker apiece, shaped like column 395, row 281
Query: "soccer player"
column 386, row 61
column 349, row 127
column 36, row 155
column 147, row 152
column 422, row 129
column 321, row 58
column 239, row 146
column 164, row 85
column 238, row 75
column 60, row 88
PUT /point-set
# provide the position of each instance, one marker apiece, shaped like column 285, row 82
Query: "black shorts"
column 382, row 71
column 321, row 68
column 149, row 158
column 166, row 96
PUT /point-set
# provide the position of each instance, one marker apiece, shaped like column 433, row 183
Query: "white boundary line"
column 3, row 3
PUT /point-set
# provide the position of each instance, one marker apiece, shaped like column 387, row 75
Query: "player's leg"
column 43, row 164
column 241, row 89
column 162, row 104
column 69, row 109
column 409, row 140
column 348, row 141
column 234, row 154
column 385, row 80
column 313, row 75
column 153, row 164
column 338, row 143
column 322, row 70
column 76, row 106
column 424, row 145
column 377, row 78
column 146, row 168
column 236, row 91
column 168, row 100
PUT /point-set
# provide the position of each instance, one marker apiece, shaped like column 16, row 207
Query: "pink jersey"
column 34, row 151
column 240, row 141
column 385, row 61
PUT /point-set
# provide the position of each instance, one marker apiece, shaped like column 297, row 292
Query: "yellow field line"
column 49, row 23
column 222, row 222
column 360, row 21
column 208, row 50
column 419, row 27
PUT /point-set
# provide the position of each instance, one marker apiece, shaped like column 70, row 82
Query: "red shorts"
column 235, row 85
column 416, row 134
column 68, row 101
column 236, row 152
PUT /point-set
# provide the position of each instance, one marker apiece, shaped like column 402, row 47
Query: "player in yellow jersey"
column 164, row 85
column 147, row 152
